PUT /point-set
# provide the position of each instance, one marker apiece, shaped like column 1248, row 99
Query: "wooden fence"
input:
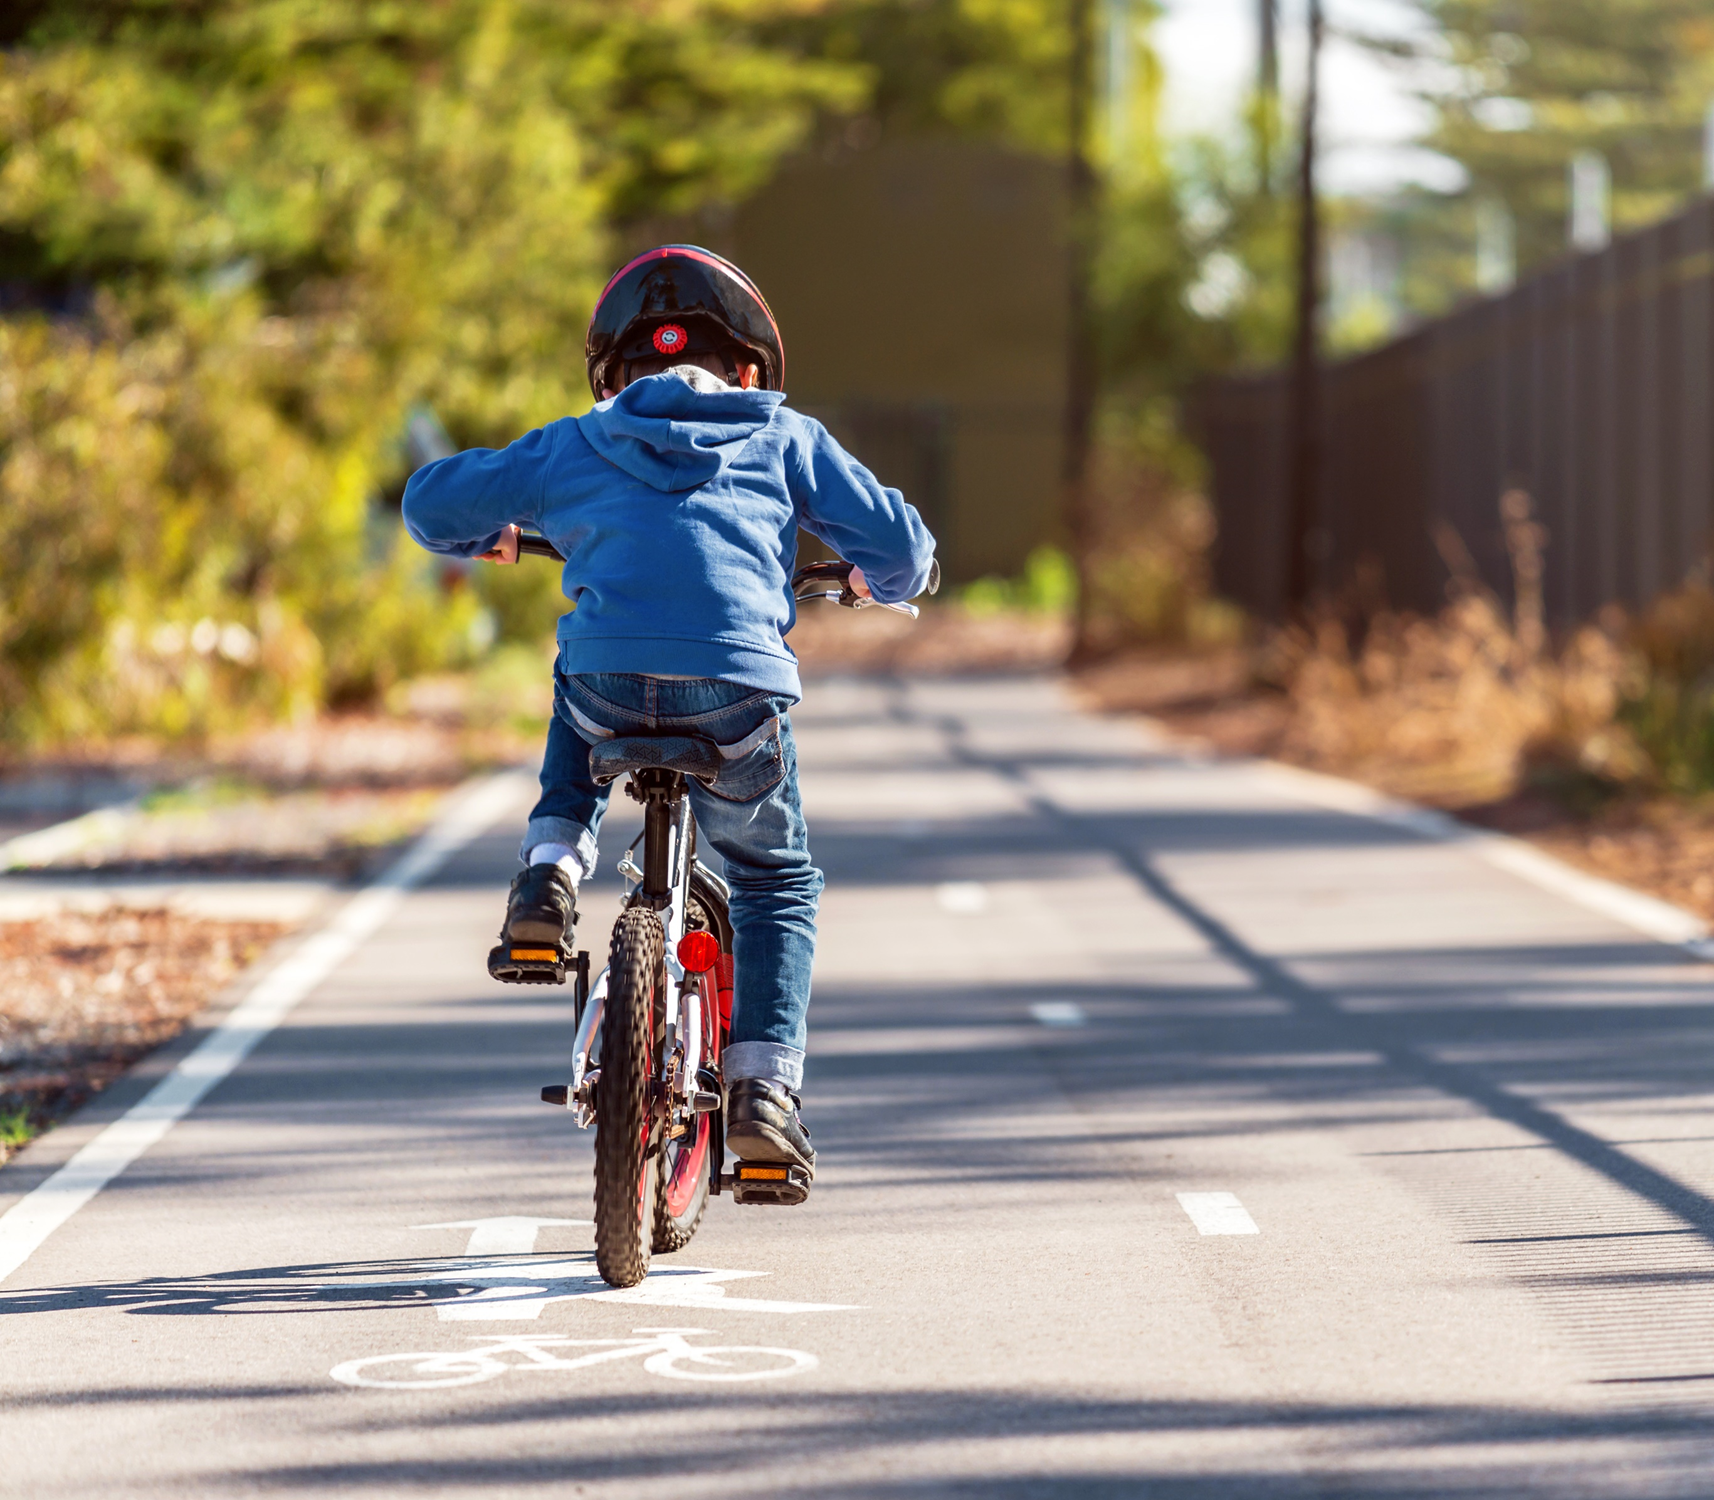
column 1589, row 386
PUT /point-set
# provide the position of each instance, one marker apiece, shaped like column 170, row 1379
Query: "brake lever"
column 857, row 601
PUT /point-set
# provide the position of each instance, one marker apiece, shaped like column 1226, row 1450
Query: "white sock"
column 562, row 855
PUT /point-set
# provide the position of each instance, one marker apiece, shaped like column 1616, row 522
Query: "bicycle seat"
column 684, row 753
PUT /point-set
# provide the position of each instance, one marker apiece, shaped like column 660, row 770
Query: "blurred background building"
column 921, row 289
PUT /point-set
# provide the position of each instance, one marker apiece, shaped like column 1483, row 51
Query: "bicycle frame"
column 689, row 1038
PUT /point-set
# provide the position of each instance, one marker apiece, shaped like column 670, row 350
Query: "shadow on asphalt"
column 1378, row 1452
column 410, row 1285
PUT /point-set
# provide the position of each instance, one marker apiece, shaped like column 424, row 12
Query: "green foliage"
column 17, row 1128
column 1521, row 86
column 281, row 224
column 1669, row 708
column 1048, row 587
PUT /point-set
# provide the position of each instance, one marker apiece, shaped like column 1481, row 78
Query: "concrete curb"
column 1643, row 913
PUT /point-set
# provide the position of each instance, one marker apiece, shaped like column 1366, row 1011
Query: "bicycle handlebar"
column 538, row 546
column 836, row 572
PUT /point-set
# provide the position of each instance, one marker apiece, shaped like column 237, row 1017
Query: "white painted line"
column 506, row 1235
column 1058, row 1013
column 40, row 1212
column 1217, row 1213
column 1645, row 914
column 965, row 897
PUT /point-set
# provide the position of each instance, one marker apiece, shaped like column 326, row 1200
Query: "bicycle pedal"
column 557, row 1093
column 767, row 1182
column 516, row 964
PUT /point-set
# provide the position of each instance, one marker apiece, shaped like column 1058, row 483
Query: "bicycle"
column 645, row 1062
column 666, row 1353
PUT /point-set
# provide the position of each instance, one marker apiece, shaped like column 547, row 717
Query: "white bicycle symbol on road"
column 665, row 1353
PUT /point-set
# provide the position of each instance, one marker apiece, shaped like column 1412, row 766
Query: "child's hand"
column 859, row 585
column 507, row 551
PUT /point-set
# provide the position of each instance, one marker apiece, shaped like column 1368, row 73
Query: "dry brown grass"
column 1457, row 709
column 1468, row 706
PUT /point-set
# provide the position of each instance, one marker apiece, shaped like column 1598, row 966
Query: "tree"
column 257, row 233
column 1519, row 87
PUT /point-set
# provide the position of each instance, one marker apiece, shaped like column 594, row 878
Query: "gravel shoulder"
column 138, row 881
column 83, row 997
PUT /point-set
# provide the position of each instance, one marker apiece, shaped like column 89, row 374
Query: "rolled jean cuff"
column 773, row 1061
column 560, row 831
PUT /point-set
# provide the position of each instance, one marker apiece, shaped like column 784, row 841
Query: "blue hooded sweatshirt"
column 677, row 505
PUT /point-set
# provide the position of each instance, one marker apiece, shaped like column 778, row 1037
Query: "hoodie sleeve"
column 843, row 504
column 459, row 505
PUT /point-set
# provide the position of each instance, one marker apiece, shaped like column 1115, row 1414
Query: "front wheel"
column 624, row 1173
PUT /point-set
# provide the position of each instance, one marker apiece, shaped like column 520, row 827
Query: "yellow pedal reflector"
column 769, row 1174
column 534, row 955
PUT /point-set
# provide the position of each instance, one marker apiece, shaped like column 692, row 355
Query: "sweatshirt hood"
column 675, row 431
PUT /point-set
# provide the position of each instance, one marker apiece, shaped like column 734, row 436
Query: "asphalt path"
column 1181, row 1136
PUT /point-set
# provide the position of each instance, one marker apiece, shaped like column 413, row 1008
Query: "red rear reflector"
column 699, row 951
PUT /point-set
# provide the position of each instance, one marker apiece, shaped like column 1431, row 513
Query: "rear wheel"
column 624, row 1174
column 687, row 1163
column 681, row 1185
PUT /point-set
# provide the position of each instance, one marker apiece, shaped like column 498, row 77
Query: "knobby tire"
column 624, row 1174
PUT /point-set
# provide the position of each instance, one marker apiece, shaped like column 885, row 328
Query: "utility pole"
column 1080, row 374
column 1591, row 202
column 1267, row 90
column 1303, row 536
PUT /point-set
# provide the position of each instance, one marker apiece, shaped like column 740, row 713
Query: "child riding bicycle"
column 676, row 502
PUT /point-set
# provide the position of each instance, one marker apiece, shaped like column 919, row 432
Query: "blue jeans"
column 752, row 815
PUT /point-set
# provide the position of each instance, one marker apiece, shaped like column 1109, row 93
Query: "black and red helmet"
column 681, row 299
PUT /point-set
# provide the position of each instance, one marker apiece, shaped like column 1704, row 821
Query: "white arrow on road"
column 510, row 1291
column 519, row 1290
column 508, row 1234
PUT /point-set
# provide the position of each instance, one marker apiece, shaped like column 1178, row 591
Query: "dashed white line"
column 1058, row 1013
column 963, row 896
column 1217, row 1213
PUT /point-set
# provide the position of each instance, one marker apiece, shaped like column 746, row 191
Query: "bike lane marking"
column 520, row 1290
column 28, row 1223
column 1217, row 1213
column 1058, row 1013
column 965, row 897
column 667, row 1353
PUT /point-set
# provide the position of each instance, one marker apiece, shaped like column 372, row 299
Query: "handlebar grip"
column 822, row 572
column 840, row 573
column 538, row 546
